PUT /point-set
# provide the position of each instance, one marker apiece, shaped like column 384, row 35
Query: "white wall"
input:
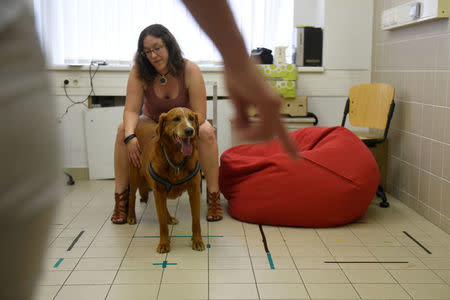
column 347, row 61
column 347, row 34
column 309, row 13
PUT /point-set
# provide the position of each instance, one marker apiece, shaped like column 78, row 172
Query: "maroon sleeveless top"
column 155, row 106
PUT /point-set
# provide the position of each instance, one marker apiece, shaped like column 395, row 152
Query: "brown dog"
column 169, row 166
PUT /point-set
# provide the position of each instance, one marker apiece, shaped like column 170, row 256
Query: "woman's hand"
column 134, row 152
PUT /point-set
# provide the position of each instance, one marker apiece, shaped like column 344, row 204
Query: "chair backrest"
column 369, row 105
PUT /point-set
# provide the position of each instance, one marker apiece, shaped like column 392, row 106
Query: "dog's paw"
column 131, row 220
column 172, row 221
column 163, row 248
column 198, row 245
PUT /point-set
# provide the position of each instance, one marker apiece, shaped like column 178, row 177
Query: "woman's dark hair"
column 146, row 71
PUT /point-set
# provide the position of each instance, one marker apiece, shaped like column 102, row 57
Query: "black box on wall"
column 309, row 41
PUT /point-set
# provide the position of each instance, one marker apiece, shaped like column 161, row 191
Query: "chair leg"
column 382, row 195
column 70, row 181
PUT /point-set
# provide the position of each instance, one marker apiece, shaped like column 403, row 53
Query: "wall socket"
column 71, row 82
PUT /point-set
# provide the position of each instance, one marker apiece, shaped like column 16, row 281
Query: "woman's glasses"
column 155, row 50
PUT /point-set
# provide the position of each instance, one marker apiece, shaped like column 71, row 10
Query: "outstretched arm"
column 245, row 84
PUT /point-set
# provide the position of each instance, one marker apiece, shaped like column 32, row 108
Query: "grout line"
column 295, row 265
column 251, row 261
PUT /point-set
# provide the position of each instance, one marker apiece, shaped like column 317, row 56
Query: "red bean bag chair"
column 332, row 185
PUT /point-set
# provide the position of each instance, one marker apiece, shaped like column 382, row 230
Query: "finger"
column 287, row 143
column 241, row 119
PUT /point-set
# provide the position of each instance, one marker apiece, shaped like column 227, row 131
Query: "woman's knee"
column 207, row 133
column 120, row 132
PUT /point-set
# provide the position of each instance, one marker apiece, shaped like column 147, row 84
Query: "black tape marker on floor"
column 365, row 262
column 417, row 242
column 266, row 248
column 75, row 240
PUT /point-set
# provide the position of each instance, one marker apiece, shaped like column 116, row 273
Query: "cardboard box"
column 296, row 107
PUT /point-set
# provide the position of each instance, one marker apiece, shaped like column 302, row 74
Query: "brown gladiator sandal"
column 120, row 212
column 214, row 208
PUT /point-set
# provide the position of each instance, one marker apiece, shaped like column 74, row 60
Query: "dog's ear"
column 197, row 126
column 161, row 125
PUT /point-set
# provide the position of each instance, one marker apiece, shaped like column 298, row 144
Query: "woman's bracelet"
column 128, row 138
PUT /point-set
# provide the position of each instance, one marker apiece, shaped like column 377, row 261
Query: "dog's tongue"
column 186, row 146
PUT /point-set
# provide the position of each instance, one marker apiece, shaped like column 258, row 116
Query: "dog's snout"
column 189, row 131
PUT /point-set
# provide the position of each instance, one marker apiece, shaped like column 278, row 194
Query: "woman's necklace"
column 163, row 79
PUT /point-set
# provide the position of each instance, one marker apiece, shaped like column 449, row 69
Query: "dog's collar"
column 171, row 163
column 169, row 184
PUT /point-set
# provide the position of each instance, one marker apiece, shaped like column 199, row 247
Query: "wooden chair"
column 371, row 106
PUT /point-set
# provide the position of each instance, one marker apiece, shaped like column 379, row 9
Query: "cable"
column 91, row 92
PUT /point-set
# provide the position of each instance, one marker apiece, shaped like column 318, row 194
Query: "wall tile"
column 447, row 126
column 435, row 192
column 441, row 86
column 446, row 198
column 427, row 123
column 416, row 120
column 446, row 161
column 443, row 51
column 424, row 187
column 438, row 123
column 425, row 154
column 394, row 145
column 428, row 87
column 411, row 149
column 436, row 158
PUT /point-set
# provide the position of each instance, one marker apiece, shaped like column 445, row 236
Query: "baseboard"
column 78, row 173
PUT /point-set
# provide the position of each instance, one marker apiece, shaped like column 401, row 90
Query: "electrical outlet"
column 71, row 82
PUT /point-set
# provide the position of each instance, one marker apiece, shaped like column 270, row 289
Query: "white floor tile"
column 331, row 291
column 99, row 264
column 53, row 277
column 428, row 291
column 185, row 276
column 224, row 263
column 231, row 276
column 381, row 291
column 183, row 291
column 282, row 291
column 134, row 292
column 277, row 276
column 76, row 292
column 138, row 277
column 415, row 276
column 91, row 277
column 233, row 291
column 46, row 292
column 369, row 276
column 323, row 276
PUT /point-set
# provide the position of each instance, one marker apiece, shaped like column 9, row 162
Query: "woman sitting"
column 164, row 79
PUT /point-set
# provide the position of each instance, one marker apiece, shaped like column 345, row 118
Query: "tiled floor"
column 120, row 262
